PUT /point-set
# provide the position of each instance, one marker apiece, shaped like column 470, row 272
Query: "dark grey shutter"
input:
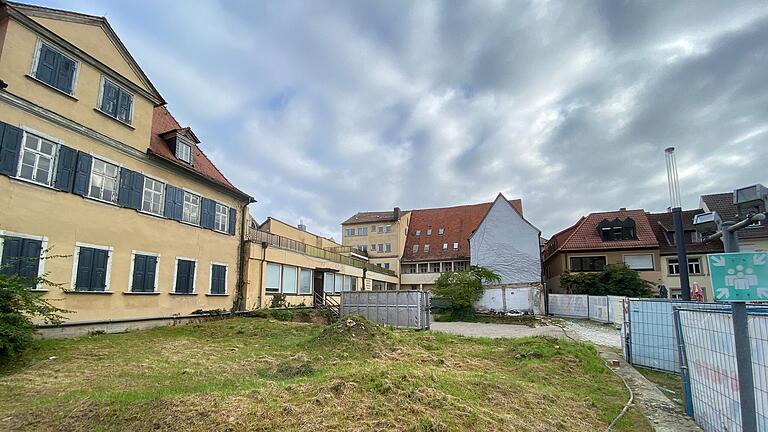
column 47, row 65
column 139, row 273
column 185, row 274
column 82, row 174
column 124, row 106
column 207, row 213
column 131, row 189
column 218, row 279
column 99, row 276
column 10, row 147
column 65, row 169
column 232, row 221
column 11, row 251
column 174, row 202
column 30, row 257
column 109, row 99
column 65, row 74
column 84, row 269
column 149, row 273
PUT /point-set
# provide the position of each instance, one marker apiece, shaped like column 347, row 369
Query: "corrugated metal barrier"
column 406, row 309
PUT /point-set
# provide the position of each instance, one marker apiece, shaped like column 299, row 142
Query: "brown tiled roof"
column 164, row 122
column 722, row 203
column 372, row 217
column 664, row 228
column 584, row 235
column 458, row 222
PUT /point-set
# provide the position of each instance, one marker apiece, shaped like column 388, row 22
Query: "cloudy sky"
column 322, row 109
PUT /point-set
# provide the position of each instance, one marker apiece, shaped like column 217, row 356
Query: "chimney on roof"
column 397, row 213
column 623, row 209
column 301, row 226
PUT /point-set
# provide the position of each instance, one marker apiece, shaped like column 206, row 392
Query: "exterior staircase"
column 328, row 303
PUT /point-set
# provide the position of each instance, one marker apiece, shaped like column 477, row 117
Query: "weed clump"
column 353, row 330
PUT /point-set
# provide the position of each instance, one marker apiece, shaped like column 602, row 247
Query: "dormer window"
column 617, row 229
column 184, row 151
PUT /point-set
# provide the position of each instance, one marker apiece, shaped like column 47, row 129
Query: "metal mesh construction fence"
column 598, row 308
column 649, row 332
column 711, row 377
column 569, row 305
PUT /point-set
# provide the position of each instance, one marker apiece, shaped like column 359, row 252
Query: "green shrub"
column 18, row 305
column 463, row 289
column 615, row 279
column 278, row 301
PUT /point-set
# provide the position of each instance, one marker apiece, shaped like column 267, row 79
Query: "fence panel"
column 709, row 352
column 652, row 338
column 616, row 309
column 598, row 308
column 409, row 309
column 569, row 305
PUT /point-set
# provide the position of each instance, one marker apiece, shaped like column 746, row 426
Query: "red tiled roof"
column 584, row 235
column 722, row 203
column 458, row 223
column 664, row 228
column 163, row 122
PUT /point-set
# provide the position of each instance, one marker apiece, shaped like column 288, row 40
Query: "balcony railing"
column 348, row 249
column 281, row 242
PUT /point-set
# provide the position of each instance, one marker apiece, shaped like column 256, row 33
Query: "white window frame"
column 210, row 279
column 184, row 207
column 157, row 272
column 311, row 281
column 162, row 195
column 415, row 248
column 101, row 94
column 43, row 252
column 282, row 279
column 388, row 247
column 117, row 179
column 429, row 231
column 75, row 261
column 426, row 248
column 176, row 274
column 267, row 289
column 455, row 245
column 388, row 228
column 417, row 233
column 624, row 260
column 380, row 229
column 225, row 217
column 445, row 246
column 440, row 231
column 188, row 145
column 36, row 60
column 54, row 156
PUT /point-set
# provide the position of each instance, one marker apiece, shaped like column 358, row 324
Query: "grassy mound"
column 353, row 330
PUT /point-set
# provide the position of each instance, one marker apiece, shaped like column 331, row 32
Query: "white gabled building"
column 508, row 244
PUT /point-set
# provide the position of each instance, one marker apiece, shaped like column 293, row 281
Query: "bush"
column 18, row 305
column 616, row 279
column 463, row 289
column 278, row 301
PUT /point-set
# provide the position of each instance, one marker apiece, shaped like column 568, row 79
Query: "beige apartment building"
column 304, row 267
column 101, row 189
column 381, row 236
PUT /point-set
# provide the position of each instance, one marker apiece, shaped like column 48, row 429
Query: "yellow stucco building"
column 101, row 190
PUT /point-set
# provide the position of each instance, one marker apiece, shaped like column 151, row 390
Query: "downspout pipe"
column 239, row 303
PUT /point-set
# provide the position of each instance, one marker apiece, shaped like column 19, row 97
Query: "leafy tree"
column 615, row 279
column 462, row 289
column 18, row 305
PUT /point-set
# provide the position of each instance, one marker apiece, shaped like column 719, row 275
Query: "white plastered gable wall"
column 509, row 245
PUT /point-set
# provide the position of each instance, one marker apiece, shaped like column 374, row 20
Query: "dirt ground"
column 495, row 330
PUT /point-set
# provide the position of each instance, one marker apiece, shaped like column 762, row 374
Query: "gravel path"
column 495, row 330
column 594, row 332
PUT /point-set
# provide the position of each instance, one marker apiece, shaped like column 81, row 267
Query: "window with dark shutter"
column 55, row 69
column 174, row 202
column 207, row 213
column 20, row 256
column 144, row 271
column 185, row 276
column 232, row 220
column 10, row 148
column 82, row 174
column 91, row 274
column 218, row 279
column 116, row 102
column 65, row 168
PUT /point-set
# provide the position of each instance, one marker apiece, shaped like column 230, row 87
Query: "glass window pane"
column 273, row 277
column 289, row 280
column 305, row 282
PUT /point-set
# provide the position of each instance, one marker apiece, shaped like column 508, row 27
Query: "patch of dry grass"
column 261, row 374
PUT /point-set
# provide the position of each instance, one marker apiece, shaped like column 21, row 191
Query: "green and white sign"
column 739, row 276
